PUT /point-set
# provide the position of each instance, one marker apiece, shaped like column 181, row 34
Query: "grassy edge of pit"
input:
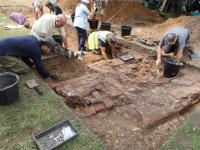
column 187, row 136
column 32, row 113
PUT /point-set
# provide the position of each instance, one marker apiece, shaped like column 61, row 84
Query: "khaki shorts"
column 13, row 64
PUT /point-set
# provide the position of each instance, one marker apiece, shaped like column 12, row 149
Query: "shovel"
column 33, row 85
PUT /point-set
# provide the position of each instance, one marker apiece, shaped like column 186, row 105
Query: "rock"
column 108, row 103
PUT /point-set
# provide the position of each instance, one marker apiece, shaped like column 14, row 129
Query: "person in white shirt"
column 49, row 24
column 80, row 23
column 37, row 9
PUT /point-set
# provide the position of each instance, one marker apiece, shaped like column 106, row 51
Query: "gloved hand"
column 158, row 62
column 54, row 77
column 66, row 52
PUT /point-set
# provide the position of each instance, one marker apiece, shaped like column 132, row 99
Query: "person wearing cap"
column 174, row 40
column 19, row 19
column 103, row 40
column 37, row 9
column 80, row 23
column 54, row 8
column 49, row 24
column 18, row 54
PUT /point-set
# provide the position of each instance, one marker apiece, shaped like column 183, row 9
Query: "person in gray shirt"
column 174, row 40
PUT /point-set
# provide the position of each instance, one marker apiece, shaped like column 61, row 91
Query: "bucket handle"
column 10, row 73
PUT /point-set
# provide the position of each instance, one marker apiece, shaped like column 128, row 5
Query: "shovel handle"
column 38, row 90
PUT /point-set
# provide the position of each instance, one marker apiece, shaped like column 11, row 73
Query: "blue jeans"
column 82, row 37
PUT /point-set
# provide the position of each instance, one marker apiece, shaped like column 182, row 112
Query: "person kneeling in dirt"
column 47, row 25
column 54, row 8
column 19, row 53
column 37, row 8
column 19, row 19
column 103, row 40
column 174, row 40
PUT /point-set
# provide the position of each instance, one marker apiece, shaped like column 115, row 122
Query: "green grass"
column 192, row 135
column 11, row 32
column 32, row 114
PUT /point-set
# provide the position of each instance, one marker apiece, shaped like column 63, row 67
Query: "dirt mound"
column 68, row 5
column 189, row 22
column 130, row 13
column 19, row 8
column 193, row 24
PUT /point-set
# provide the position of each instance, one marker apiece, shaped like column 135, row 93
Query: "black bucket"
column 72, row 17
column 125, row 30
column 171, row 68
column 105, row 26
column 9, row 91
column 93, row 23
column 58, row 38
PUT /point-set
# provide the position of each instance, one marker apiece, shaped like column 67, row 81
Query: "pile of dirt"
column 130, row 13
column 156, row 31
column 68, row 5
column 7, row 10
column 193, row 25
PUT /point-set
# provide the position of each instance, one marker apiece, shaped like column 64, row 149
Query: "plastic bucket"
column 171, row 67
column 105, row 26
column 125, row 30
column 93, row 23
column 58, row 38
column 9, row 91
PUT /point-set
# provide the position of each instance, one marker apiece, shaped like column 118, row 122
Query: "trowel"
column 33, row 85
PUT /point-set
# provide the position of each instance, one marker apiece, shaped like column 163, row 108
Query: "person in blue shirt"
column 18, row 54
column 54, row 8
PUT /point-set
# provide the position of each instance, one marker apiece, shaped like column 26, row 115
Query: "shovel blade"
column 31, row 83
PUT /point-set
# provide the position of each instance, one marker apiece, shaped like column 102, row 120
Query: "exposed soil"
column 143, row 109
column 131, row 13
column 65, row 68
column 156, row 31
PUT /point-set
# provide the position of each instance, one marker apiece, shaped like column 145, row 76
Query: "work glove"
column 66, row 52
column 158, row 62
column 54, row 77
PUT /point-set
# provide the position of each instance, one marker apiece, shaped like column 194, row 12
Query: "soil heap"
column 129, row 13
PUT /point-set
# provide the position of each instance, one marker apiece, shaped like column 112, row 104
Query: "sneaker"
column 80, row 58
column 80, row 55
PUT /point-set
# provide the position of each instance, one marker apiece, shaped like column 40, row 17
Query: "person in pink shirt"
column 19, row 19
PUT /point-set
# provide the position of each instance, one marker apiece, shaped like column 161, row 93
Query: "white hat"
column 86, row 1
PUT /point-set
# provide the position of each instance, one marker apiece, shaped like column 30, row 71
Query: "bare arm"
column 159, row 52
column 103, row 52
column 64, row 38
column 113, row 51
column 179, row 54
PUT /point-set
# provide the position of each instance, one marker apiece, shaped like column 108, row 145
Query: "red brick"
column 90, row 111
column 77, row 110
column 109, row 103
column 99, row 107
